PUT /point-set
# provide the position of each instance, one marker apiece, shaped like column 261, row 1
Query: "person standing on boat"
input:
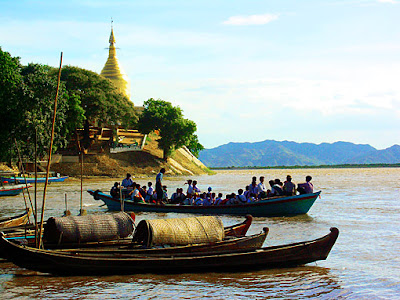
column 189, row 192
column 196, row 190
column 262, row 190
column 307, row 187
column 127, row 182
column 289, row 188
column 159, row 189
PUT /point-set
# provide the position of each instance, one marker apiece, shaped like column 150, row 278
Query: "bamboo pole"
column 35, row 212
column 50, row 150
column 23, row 175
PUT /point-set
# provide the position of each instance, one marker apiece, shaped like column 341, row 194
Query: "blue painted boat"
column 12, row 190
column 271, row 207
column 32, row 179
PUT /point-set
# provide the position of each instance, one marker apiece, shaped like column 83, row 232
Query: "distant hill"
column 271, row 153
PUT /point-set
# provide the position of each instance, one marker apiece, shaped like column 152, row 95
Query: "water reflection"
column 301, row 282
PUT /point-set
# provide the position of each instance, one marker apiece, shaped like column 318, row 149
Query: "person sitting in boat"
column 218, row 200
column 114, row 192
column 231, row 199
column 289, row 188
column 209, row 192
column 199, row 199
column 143, row 191
column 253, row 188
column 136, row 196
column 278, row 187
column 240, row 198
column 165, row 194
column 177, row 197
column 307, row 187
column 150, row 193
column 127, row 182
column 252, row 198
column 262, row 190
column 189, row 192
column 209, row 199
column 247, row 192
column 195, row 188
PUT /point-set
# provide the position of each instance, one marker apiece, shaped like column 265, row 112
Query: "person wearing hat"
column 289, row 188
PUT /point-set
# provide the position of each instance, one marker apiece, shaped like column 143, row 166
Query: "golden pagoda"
column 113, row 71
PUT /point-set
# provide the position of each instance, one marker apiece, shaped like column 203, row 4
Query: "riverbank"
column 139, row 163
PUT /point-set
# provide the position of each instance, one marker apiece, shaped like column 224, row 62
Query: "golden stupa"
column 113, row 71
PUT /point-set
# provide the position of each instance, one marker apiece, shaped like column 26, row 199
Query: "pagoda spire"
column 112, row 70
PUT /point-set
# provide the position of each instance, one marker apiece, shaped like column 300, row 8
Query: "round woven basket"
column 179, row 231
column 89, row 228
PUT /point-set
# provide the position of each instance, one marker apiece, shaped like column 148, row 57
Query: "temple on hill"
column 113, row 71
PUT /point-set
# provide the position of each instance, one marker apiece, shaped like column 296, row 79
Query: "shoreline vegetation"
column 343, row 166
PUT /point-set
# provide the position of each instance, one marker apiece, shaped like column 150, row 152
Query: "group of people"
column 194, row 196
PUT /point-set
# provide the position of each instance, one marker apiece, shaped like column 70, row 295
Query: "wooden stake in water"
column 49, row 154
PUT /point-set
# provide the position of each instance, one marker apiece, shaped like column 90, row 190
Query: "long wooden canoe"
column 12, row 190
column 54, row 262
column 16, row 221
column 32, row 179
column 270, row 207
column 19, row 235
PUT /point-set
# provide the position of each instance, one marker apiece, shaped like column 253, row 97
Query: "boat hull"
column 271, row 207
column 12, row 190
column 32, row 180
column 270, row 257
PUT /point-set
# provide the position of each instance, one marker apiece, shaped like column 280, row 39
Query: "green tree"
column 11, row 91
column 174, row 130
column 194, row 146
column 100, row 99
column 38, row 105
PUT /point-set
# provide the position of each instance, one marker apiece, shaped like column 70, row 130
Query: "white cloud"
column 388, row 1
column 251, row 20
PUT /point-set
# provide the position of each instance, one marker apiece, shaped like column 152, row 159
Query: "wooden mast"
column 49, row 154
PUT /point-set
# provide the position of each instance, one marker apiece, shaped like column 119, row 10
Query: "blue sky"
column 244, row 71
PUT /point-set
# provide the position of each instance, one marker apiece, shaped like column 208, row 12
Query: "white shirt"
column 261, row 187
column 190, row 189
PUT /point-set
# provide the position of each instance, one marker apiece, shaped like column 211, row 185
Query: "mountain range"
column 271, row 153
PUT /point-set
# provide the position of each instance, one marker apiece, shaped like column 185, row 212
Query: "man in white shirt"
column 262, row 190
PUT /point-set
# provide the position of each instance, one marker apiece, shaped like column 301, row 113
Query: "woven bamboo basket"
column 180, row 231
column 89, row 228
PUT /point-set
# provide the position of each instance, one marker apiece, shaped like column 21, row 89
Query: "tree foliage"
column 100, row 99
column 174, row 130
column 11, row 91
column 27, row 97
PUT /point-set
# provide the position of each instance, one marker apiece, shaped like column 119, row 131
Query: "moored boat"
column 55, row 262
column 32, row 179
column 15, row 221
column 12, row 190
column 269, row 207
column 21, row 235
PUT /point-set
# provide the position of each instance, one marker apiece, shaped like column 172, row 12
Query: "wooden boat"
column 12, row 190
column 19, row 220
column 228, row 245
column 55, row 262
column 32, row 179
column 270, row 207
column 21, row 235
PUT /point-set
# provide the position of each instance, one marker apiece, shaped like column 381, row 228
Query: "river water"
column 363, row 264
